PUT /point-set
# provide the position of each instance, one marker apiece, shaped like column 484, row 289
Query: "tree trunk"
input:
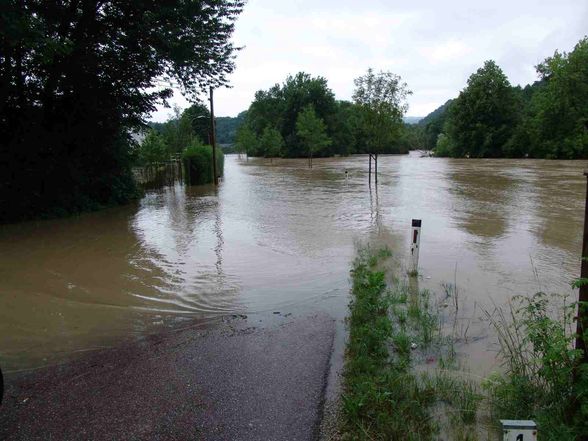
column 376, row 168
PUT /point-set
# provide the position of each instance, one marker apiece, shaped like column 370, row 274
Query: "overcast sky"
column 433, row 45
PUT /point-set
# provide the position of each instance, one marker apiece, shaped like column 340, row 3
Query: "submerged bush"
column 198, row 163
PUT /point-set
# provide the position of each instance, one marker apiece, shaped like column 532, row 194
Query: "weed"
column 536, row 348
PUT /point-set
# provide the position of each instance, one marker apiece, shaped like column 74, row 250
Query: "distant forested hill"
column 226, row 127
column 432, row 124
column 412, row 119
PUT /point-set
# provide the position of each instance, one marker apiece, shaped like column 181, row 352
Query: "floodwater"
column 279, row 237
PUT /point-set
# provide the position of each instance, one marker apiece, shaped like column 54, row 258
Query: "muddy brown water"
column 276, row 237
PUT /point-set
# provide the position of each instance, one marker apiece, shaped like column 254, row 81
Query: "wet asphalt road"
column 236, row 383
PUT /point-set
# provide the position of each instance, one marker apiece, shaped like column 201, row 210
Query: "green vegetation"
column 384, row 398
column 198, row 163
column 491, row 118
column 227, row 126
column 153, row 149
column 246, row 141
column 381, row 102
column 271, row 143
column 344, row 126
column 312, row 132
column 536, row 347
column 482, row 119
column 392, row 326
column 78, row 79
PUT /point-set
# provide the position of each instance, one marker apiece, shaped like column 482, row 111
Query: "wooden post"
column 582, row 323
column 213, row 139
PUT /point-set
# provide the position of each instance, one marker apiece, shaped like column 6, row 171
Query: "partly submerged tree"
column 77, row 76
column 381, row 98
column 279, row 107
column 271, row 143
column 311, row 131
column 246, row 141
column 482, row 119
column 559, row 110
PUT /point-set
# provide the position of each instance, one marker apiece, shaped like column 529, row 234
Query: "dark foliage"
column 74, row 81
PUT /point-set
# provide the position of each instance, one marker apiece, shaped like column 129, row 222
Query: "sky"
column 433, row 45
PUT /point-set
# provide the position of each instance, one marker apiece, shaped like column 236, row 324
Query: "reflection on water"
column 277, row 235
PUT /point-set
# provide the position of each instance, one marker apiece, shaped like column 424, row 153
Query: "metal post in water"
column 415, row 245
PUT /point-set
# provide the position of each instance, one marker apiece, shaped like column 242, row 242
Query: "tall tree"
column 559, row 125
column 482, row 119
column 312, row 132
column 381, row 98
column 280, row 106
column 77, row 76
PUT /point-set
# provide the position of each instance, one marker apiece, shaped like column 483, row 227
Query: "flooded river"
column 279, row 237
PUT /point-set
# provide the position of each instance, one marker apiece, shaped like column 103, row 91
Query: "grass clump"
column 384, row 398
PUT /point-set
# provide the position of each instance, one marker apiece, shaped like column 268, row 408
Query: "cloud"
column 433, row 45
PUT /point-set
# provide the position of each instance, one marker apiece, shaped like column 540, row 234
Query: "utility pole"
column 370, row 170
column 213, row 138
column 582, row 323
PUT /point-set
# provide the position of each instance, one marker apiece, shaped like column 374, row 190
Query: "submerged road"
column 249, row 380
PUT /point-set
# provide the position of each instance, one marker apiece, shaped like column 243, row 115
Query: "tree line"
column 302, row 118
column 490, row 118
column 78, row 78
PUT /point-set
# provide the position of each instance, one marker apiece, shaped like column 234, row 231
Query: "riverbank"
column 260, row 377
column 404, row 379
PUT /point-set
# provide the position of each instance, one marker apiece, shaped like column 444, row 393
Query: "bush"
column 198, row 163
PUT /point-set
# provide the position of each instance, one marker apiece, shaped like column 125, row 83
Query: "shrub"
column 198, row 163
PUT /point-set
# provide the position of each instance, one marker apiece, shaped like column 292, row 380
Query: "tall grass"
column 542, row 379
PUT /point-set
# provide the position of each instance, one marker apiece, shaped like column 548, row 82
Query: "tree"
column 271, row 143
column 558, row 126
column 381, row 98
column 279, row 107
column 312, row 132
column 178, row 132
column 246, row 141
column 343, row 127
column 482, row 119
column 198, row 117
column 77, row 77
column 153, row 149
